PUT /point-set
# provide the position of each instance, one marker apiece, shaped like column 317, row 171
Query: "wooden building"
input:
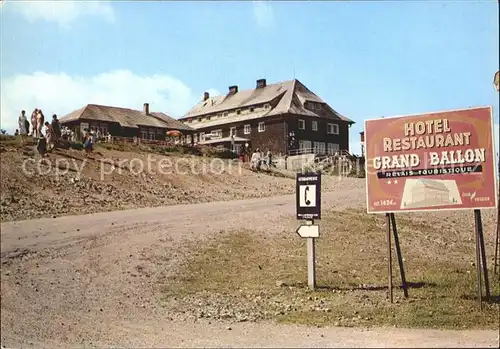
column 284, row 117
column 123, row 122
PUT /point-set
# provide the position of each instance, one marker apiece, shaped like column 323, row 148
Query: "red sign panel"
column 427, row 162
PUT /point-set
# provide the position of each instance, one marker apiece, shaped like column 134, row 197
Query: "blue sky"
column 366, row 59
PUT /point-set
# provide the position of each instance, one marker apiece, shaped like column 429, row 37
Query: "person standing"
column 269, row 158
column 27, row 123
column 87, row 142
column 49, row 134
column 42, row 146
column 39, row 122
column 56, row 127
column 22, row 126
column 33, row 123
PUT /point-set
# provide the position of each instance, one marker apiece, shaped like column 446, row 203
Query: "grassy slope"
column 244, row 275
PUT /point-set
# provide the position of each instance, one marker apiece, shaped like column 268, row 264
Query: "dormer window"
column 267, row 106
column 318, row 106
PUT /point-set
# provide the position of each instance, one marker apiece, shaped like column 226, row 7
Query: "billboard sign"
column 434, row 161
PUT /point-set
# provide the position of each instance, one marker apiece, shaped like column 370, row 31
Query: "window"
column 202, row 136
column 238, row 111
column 302, row 124
column 262, row 127
column 219, row 115
column 318, row 106
column 195, row 138
column 216, row 134
column 247, row 129
column 319, row 147
column 251, row 109
column 232, row 131
column 200, row 119
column 144, row 135
column 208, row 117
column 332, row 129
column 304, row 147
column 104, row 130
column 315, row 126
column 188, row 139
column 267, row 106
column 225, row 114
column 333, row 148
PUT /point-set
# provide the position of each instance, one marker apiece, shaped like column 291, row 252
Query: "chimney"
column 206, row 96
column 261, row 83
column 233, row 89
column 146, row 108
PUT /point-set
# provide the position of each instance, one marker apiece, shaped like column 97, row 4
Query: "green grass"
column 351, row 275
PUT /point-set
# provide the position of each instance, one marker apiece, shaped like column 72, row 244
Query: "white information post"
column 308, row 205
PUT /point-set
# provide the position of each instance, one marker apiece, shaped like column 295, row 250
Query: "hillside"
column 66, row 182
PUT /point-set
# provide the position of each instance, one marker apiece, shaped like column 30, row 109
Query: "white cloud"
column 62, row 12
column 61, row 94
column 213, row 92
column 263, row 13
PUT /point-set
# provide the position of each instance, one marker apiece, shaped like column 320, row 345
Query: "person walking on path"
column 22, row 126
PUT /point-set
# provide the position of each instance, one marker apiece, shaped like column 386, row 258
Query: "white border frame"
column 495, row 165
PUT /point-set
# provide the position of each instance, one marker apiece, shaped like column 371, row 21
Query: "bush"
column 180, row 149
column 220, row 153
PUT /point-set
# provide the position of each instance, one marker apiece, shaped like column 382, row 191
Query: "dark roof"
column 125, row 117
column 171, row 122
column 290, row 96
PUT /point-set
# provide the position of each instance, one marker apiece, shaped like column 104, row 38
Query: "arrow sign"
column 308, row 231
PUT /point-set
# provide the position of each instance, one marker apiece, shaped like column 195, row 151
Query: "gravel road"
column 74, row 280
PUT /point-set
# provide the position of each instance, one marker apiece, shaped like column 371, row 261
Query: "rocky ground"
column 68, row 183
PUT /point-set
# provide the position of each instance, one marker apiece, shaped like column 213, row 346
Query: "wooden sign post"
column 390, row 221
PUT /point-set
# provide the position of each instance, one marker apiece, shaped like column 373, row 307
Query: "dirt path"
column 90, row 280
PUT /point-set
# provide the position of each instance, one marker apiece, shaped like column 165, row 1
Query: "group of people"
column 52, row 130
column 260, row 158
